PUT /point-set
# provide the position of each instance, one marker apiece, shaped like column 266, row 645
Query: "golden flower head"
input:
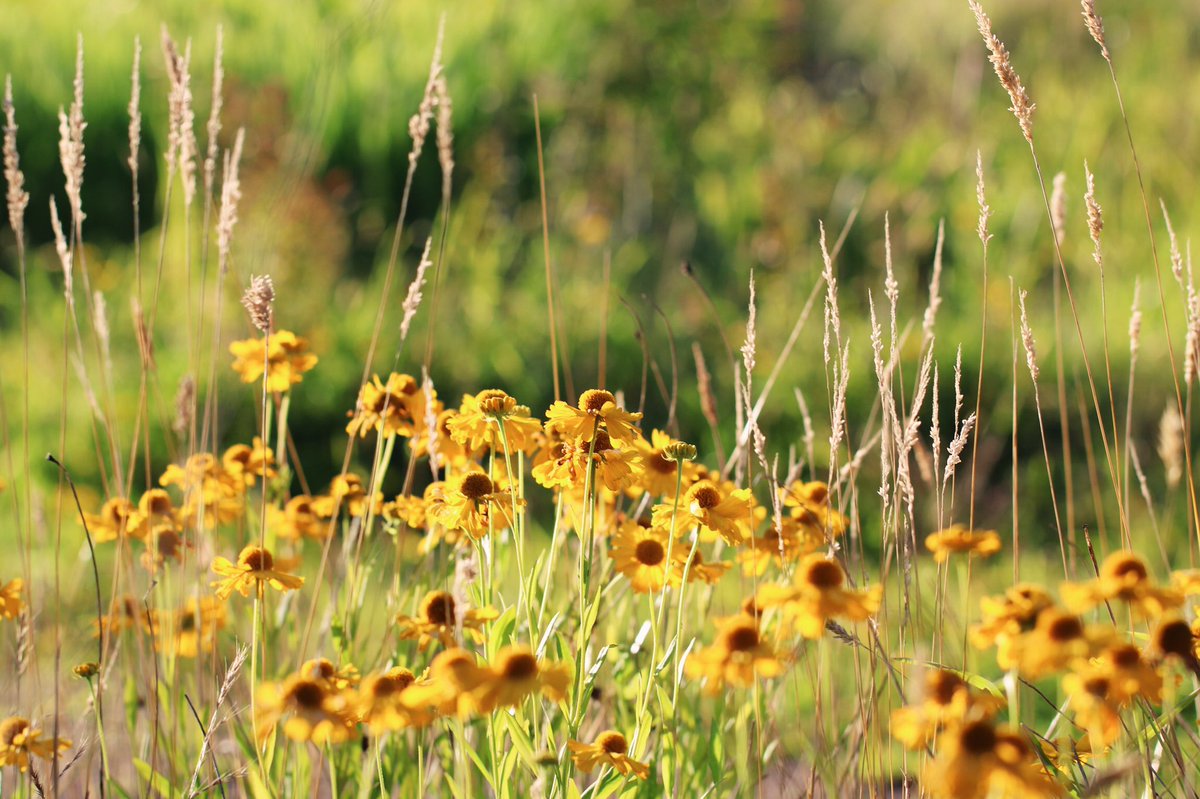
column 86, row 671
column 255, row 569
column 610, row 748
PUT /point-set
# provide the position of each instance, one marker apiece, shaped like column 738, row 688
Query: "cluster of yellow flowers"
column 1103, row 669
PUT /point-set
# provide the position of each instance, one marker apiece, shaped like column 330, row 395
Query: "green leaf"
column 152, row 778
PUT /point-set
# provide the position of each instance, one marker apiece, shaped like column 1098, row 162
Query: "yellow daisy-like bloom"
column 395, row 408
column 1008, row 616
column 1058, row 641
column 738, row 656
column 255, row 569
column 1175, row 640
column 246, row 463
column 595, row 405
column 163, row 546
column 957, row 538
column 112, row 522
column 298, row 519
column 516, row 674
column 309, row 711
column 659, row 473
column 11, row 603
column 287, row 360
column 1097, row 708
column 563, row 464
column 449, row 689
column 782, row 544
column 19, row 741
column 334, row 678
column 1129, row 673
column 379, row 702
column 472, row 503
column 809, row 504
column 1124, row 577
column 439, row 619
column 609, row 749
column 477, row 424
column 450, row 453
column 155, row 511
column 946, row 698
column 348, row 493
column 407, row 509
column 193, row 628
column 125, row 613
column 211, row 494
column 704, row 505
column 817, row 594
column 699, row 570
column 977, row 760
column 640, row 553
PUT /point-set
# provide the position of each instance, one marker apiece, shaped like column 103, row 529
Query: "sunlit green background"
column 719, row 133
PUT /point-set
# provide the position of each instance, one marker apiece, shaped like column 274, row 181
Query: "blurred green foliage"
column 716, row 133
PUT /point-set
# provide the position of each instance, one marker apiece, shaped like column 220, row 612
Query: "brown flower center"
column 257, row 559
column 706, row 495
column 978, row 738
column 439, row 608
column 602, row 442
column 594, row 399
column 1125, row 656
column 1126, row 565
column 1096, row 686
column 11, row 728
column 401, row 677
column 320, row 669
column 307, row 694
column 657, row 463
column 519, row 666
column 741, row 638
column 943, row 685
column 825, row 574
column 476, row 485
column 158, row 503
column 650, row 552
column 1064, row 628
column 1175, row 638
column 613, row 742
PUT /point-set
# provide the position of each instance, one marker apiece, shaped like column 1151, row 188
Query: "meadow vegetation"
column 407, row 449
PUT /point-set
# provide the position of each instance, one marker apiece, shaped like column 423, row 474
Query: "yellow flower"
column 946, row 698
column 247, row 463
column 125, row 613
column 347, row 493
column 1006, row 617
column 112, row 522
column 595, row 406
column 1096, row 708
column 729, row 515
column 155, row 511
column 609, row 749
column 1058, row 641
column 977, row 760
column 564, row 464
column 207, row 488
column 440, row 619
column 298, row 519
column 1175, row 639
column 450, row 453
column 311, row 711
column 477, row 424
column 450, row 687
column 254, row 568
column 1123, row 576
column 397, row 408
column 11, row 603
column 472, row 503
column 287, row 360
column 516, row 674
column 699, row 570
column 379, row 702
column 737, row 657
column 782, row 544
column 818, row 593
column 1129, row 673
column 193, row 629
column 163, row 545
column 640, row 553
column 19, row 741
column 659, row 474
column 407, row 509
column 957, row 538
column 808, row 503
column 333, row 678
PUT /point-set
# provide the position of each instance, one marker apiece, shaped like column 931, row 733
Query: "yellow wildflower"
column 255, row 568
column 609, row 749
column 287, row 360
